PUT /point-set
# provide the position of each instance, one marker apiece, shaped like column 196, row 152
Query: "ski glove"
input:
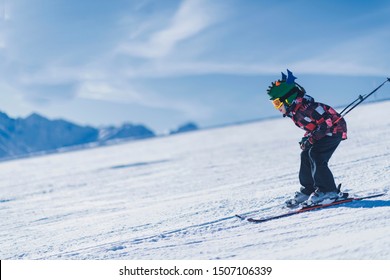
column 305, row 143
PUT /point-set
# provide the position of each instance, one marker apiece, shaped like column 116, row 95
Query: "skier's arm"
column 323, row 122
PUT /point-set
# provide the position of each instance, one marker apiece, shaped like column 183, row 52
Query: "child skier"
column 325, row 129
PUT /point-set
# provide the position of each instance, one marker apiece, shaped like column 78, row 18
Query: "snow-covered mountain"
column 37, row 134
column 126, row 131
column 187, row 127
column 175, row 197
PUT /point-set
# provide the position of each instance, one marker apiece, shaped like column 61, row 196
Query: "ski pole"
column 361, row 99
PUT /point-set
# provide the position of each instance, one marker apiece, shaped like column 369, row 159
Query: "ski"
column 308, row 208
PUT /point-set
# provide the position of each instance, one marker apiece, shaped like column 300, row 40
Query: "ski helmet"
column 286, row 89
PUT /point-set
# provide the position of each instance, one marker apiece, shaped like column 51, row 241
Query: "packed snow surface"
column 175, row 197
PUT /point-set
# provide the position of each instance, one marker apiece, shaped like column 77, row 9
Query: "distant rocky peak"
column 34, row 117
column 187, row 127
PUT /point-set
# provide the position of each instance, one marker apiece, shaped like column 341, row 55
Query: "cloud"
column 104, row 90
column 364, row 55
column 122, row 92
column 2, row 41
column 192, row 17
column 4, row 17
column 4, row 11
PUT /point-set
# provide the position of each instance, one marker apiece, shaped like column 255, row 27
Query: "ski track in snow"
column 175, row 197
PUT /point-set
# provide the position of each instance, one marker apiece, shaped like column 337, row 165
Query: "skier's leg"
column 320, row 154
column 305, row 174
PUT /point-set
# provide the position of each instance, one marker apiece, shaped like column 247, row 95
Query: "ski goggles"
column 277, row 103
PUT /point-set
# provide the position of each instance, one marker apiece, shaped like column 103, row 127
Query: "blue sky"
column 163, row 63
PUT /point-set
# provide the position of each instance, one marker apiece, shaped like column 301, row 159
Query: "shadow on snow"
column 137, row 164
column 368, row 204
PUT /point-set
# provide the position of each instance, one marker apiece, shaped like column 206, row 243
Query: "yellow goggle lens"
column 277, row 103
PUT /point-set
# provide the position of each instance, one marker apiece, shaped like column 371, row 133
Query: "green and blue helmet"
column 286, row 89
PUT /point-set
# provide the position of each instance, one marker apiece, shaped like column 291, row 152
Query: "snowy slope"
column 175, row 197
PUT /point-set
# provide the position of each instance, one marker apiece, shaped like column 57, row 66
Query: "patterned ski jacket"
column 317, row 119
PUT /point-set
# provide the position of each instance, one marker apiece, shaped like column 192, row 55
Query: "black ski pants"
column 314, row 172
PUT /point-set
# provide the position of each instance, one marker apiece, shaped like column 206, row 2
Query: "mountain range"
column 37, row 134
